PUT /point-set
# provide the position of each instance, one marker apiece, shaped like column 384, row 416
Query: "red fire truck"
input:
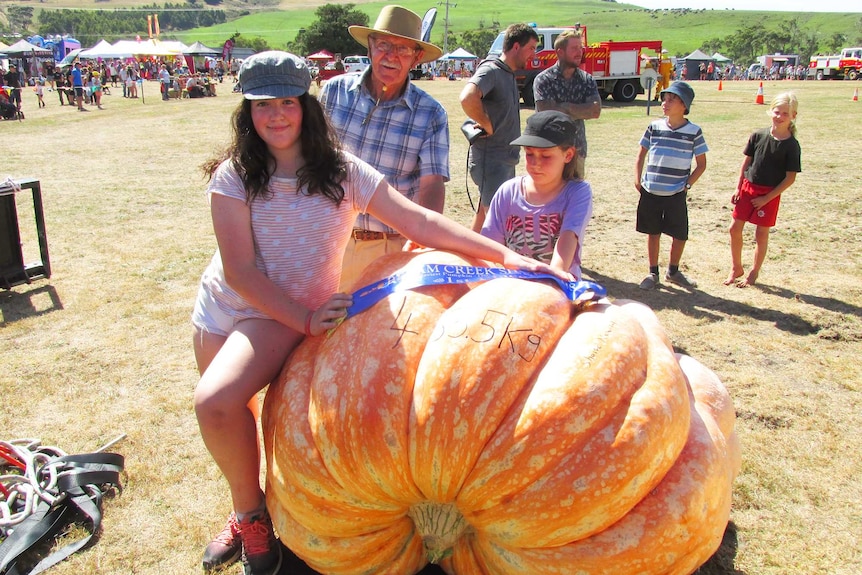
column 615, row 66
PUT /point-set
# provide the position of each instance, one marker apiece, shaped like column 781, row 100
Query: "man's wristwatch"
column 687, row 186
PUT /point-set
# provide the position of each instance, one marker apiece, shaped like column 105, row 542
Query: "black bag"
column 472, row 131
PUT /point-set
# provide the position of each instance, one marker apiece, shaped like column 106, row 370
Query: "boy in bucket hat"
column 668, row 146
column 393, row 125
column 544, row 215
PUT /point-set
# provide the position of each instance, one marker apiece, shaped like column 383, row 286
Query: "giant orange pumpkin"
column 496, row 429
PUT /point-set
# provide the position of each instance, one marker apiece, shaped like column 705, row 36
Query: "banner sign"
column 428, row 23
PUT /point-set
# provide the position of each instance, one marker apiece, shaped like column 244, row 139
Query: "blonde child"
column 772, row 160
column 39, row 88
column 544, row 214
column 283, row 200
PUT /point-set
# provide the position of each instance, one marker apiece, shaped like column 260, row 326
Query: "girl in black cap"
column 544, row 214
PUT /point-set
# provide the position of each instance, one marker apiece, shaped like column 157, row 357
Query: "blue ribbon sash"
column 439, row 274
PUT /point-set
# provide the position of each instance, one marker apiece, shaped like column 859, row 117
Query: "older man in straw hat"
column 390, row 123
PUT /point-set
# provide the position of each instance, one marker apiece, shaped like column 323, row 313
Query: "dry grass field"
column 103, row 347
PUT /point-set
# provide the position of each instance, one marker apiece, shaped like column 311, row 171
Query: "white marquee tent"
column 459, row 54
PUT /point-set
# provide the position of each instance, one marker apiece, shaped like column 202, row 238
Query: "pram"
column 8, row 110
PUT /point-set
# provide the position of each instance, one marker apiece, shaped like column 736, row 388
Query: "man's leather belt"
column 365, row 235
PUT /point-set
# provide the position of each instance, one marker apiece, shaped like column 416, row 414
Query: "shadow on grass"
column 722, row 561
column 701, row 305
column 30, row 303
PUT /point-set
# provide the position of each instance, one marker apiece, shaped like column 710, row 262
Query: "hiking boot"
column 650, row 282
column 261, row 552
column 225, row 548
column 679, row 279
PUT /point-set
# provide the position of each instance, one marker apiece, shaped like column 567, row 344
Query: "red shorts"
column 744, row 210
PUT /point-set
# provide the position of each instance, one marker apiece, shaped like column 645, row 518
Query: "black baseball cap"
column 547, row 129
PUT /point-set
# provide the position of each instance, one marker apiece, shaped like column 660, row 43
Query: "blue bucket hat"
column 273, row 74
column 683, row 90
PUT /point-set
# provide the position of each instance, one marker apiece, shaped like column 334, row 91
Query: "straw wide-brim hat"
column 399, row 22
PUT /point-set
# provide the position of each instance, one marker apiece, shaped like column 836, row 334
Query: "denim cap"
column 273, row 74
column 683, row 90
column 547, row 129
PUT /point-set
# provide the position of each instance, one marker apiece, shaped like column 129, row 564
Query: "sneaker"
column 261, row 552
column 679, row 279
column 650, row 282
column 225, row 548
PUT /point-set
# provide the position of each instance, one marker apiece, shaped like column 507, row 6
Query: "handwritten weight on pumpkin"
column 496, row 327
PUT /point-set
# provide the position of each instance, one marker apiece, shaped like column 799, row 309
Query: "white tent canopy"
column 128, row 48
column 101, row 50
column 22, row 47
column 698, row 55
column 459, row 54
column 198, row 49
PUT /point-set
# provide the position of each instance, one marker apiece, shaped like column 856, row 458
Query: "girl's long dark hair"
column 324, row 165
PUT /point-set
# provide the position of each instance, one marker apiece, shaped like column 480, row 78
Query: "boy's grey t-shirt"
column 496, row 80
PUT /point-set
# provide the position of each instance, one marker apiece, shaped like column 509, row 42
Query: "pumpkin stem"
column 440, row 525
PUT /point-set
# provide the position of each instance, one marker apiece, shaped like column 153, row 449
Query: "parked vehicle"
column 615, row 66
column 354, row 64
column 847, row 64
column 756, row 72
column 330, row 70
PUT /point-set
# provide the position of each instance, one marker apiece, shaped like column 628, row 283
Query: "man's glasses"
column 387, row 47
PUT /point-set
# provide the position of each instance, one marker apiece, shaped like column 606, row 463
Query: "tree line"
column 91, row 24
column 747, row 44
column 329, row 30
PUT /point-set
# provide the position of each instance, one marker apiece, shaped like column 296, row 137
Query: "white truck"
column 847, row 65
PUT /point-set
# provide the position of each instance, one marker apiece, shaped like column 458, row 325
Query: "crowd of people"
column 311, row 190
column 731, row 71
column 84, row 82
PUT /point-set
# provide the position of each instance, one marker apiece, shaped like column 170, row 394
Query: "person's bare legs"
column 737, row 270
column 235, row 369
column 676, row 249
column 653, row 244
column 761, row 237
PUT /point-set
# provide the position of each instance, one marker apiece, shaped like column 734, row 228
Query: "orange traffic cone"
column 855, row 97
column 719, row 85
column 759, row 98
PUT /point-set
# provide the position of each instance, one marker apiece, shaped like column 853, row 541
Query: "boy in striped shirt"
column 667, row 147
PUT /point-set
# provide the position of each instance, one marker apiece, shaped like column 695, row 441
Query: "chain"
column 29, row 475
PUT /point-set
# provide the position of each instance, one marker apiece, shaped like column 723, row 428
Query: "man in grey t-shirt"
column 491, row 99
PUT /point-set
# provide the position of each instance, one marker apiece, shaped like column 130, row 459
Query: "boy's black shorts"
column 663, row 215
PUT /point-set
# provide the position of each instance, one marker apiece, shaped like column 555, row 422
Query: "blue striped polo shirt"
column 669, row 156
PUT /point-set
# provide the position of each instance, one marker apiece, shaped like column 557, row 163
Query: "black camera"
column 472, row 131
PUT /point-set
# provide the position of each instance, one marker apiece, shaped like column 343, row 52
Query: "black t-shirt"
column 771, row 159
column 11, row 79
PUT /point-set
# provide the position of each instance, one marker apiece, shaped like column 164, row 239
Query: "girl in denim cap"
column 284, row 197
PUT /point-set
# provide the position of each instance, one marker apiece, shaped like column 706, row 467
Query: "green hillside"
column 681, row 30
